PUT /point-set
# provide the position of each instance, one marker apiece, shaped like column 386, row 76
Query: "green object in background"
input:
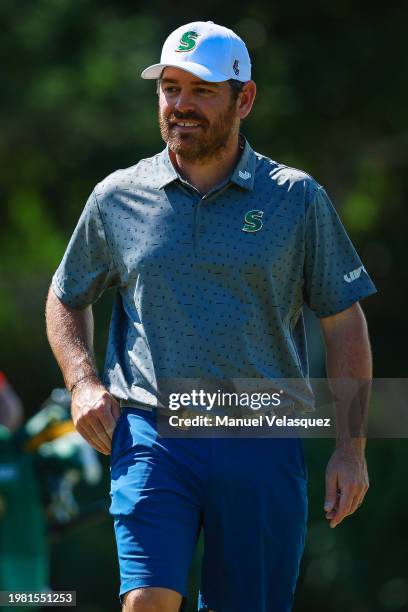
column 49, row 479
column 23, row 543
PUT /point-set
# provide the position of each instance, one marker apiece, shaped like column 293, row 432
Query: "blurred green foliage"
column 332, row 100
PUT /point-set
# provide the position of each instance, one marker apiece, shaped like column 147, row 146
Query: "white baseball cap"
column 207, row 50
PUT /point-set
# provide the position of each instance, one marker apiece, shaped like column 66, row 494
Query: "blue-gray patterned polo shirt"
column 209, row 287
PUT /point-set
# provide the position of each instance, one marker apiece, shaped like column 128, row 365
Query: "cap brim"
column 155, row 71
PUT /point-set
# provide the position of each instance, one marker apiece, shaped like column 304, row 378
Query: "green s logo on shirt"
column 253, row 221
column 187, row 42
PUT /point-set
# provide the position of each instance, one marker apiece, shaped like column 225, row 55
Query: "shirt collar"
column 243, row 174
column 166, row 172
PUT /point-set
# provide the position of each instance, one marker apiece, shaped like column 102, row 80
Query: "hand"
column 95, row 413
column 346, row 483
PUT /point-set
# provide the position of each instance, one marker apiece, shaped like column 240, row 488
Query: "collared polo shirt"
column 209, row 286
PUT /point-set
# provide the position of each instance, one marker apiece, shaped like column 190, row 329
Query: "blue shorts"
column 248, row 494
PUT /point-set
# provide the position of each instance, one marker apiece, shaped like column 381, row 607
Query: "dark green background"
column 332, row 100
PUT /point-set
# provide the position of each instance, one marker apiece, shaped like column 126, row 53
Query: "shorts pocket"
column 115, row 432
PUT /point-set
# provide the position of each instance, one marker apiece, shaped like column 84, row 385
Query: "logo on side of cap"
column 187, row 42
column 235, row 67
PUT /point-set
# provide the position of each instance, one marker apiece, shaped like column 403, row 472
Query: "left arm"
column 348, row 356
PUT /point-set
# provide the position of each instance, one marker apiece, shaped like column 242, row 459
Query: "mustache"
column 176, row 116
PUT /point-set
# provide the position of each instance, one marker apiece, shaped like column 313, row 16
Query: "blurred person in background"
column 41, row 463
column 11, row 407
column 23, row 536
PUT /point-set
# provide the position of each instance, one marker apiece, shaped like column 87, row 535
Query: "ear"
column 246, row 99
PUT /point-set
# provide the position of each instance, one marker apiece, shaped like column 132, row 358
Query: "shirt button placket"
column 201, row 224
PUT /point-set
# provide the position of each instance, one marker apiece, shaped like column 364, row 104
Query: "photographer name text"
column 260, row 420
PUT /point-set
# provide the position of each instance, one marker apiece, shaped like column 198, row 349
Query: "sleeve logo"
column 187, row 42
column 354, row 274
column 253, row 221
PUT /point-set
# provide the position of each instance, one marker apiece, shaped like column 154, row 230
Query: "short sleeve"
column 86, row 269
column 334, row 275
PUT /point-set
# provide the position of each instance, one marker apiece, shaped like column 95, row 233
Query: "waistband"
column 133, row 404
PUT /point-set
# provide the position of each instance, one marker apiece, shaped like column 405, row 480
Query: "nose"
column 184, row 102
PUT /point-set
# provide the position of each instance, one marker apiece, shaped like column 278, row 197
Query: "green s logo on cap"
column 187, row 42
column 253, row 221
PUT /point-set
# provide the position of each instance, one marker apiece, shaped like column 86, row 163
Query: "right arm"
column 70, row 334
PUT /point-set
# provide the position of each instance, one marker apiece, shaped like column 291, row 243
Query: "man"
column 212, row 249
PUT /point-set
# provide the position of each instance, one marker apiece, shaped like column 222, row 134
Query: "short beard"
column 209, row 144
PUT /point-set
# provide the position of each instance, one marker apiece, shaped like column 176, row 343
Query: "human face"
column 197, row 119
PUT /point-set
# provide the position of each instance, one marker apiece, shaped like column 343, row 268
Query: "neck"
column 206, row 174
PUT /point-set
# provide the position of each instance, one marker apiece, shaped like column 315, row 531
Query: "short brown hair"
column 236, row 88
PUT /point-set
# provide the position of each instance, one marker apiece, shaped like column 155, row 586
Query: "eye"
column 204, row 91
column 170, row 89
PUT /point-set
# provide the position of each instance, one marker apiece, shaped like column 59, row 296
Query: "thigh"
column 254, row 525
column 155, row 504
column 152, row 598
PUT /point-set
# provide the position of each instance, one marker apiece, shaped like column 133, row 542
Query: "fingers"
column 102, row 418
column 345, row 499
column 346, row 484
column 356, row 503
column 89, row 435
column 99, row 432
column 360, row 497
column 115, row 408
column 350, row 499
column 331, row 491
column 95, row 415
column 332, row 512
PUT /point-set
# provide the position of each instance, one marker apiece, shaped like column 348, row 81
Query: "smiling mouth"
column 186, row 125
